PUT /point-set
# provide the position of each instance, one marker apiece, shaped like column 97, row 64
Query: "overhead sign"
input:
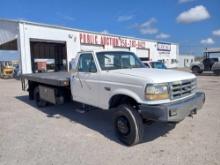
column 106, row 40
column 163, row 46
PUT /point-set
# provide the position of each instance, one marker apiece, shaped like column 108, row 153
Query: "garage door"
column 48, row 56
column 143, row 53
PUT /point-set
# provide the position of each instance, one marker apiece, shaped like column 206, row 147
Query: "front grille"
column 182, row 88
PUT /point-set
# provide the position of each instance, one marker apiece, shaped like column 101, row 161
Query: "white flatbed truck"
column 119, row 81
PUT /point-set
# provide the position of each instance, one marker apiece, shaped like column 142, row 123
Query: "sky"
column 193, row 24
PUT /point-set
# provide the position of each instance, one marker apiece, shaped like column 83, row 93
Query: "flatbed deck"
column 60, row 79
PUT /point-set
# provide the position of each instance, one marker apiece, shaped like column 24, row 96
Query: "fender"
column 127, row 93
column 216, row 66
column 198, row 64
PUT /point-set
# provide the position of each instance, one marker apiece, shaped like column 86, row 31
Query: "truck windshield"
column 118, row 60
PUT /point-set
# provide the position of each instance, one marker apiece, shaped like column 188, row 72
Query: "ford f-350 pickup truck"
column 119, row 81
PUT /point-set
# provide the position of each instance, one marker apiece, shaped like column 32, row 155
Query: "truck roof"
column 212, row 50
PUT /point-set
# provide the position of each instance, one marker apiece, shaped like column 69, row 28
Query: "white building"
column 185, row 61
column 36, row 42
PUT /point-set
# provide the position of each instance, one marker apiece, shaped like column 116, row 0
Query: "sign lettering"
column 105, row 40
column 163, row 46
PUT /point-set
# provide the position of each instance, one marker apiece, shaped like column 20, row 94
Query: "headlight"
column 157, row 92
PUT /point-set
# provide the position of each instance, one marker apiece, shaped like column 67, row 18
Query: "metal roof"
column 212, row 50
column 80, row 30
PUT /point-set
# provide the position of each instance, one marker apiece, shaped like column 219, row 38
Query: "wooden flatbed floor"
column 61, row 79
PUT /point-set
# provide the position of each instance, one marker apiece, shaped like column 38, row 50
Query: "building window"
column 144, row 58
column 173, row 61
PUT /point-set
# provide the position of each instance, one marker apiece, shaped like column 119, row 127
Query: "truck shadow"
column 97, row 120
column 207, row 74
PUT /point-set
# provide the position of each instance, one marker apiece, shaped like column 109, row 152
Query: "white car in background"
column 155, row 64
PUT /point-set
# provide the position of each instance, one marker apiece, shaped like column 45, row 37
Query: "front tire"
column 128, row 125
column 196, row 70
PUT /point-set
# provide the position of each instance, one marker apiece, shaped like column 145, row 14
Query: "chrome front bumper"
column 173, row 112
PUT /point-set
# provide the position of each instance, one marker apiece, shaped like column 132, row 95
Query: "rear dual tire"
column 128, row 125
column 39, row 102
column 196, row 70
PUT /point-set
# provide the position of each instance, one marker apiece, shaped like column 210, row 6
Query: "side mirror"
column 73, row 66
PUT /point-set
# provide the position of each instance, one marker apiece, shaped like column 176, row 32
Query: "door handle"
column 107, row 88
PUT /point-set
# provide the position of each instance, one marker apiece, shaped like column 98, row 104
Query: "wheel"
column 31, row 94
column 39, row 101
column 196, row 70
column 128, row 125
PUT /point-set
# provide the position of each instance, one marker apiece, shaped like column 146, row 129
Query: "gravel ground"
column 61, row 135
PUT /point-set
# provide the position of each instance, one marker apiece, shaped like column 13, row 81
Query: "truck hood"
column 156, row 75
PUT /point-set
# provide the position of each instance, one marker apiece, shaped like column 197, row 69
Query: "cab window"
column 86, row 63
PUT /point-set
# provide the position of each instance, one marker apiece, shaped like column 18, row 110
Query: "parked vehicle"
column 155, row 64
column 17, row 72
column 6, row 69
column 119, row 81
column 209, row 63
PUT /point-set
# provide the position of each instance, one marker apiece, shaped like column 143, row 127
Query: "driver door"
column 84, row 85
column 207, row 64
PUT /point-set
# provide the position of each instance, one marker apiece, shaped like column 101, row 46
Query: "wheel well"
column 121, row 99
column 32, row 85
column 196, row 66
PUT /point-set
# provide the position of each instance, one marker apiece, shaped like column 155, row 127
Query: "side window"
column 86, row 63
